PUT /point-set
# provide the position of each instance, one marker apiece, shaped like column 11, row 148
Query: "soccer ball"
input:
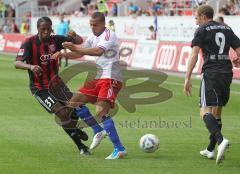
column 149, row 143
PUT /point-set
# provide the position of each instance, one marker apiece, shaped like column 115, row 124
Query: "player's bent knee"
column 102, row 108
column 204, row 111
column 63, row 115
column 62, row 122
column 63, row 112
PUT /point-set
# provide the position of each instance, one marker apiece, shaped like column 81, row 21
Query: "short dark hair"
column 206, row 10
column 220, row 19
column 44, row 19
column 151, row 27
column 98, row 15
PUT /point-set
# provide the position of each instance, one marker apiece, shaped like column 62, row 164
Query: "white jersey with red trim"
column 108, row 62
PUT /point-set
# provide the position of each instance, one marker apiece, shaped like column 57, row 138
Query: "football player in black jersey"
column 214, row 40
column 35, row 55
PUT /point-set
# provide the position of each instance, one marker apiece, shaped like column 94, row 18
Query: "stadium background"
column 174, row 24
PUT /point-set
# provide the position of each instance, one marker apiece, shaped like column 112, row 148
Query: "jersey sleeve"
column 198, row 38
column 24, row 52
column 60, row 39
column 107, row 41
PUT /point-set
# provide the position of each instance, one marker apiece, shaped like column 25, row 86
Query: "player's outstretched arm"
column 191, row 64
column 96, row 51
column 69, row 55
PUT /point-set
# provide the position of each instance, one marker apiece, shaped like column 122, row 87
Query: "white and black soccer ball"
column 149, row 143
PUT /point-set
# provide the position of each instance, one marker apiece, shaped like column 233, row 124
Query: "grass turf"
column 31, row 142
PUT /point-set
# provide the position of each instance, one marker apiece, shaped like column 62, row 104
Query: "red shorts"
column 102, row 90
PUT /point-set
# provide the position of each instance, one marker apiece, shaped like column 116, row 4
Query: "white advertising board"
column 175, row 28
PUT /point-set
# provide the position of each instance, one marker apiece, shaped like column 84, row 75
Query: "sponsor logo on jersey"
column 52, row 48
column 45, row 58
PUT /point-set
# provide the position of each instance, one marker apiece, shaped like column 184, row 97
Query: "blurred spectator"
column 86, row 2
column 28, row 16
column 6, row 27
column 62, row 29
column 24, row 28
column 102, row 6
column 224, row 11
column 14, row 27
column 114, row 10
column 220, row 19
column 200, row 2
column 10, row 12
column 231, row 7
column 152, row 34
column 111, row 25
column 2, row 9
column 82, row 9
column 150, row 7
column 91, row 9
column 132, row 8
column 137, row 8
column 156, row 8
column 82, row 12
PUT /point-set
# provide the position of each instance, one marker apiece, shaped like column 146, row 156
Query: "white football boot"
column 221, row 149
column 98, row 137
column 206, row 153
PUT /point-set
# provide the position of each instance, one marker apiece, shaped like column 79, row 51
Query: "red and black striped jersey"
column 35, row 52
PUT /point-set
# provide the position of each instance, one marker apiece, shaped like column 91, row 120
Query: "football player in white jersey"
column 103, row 89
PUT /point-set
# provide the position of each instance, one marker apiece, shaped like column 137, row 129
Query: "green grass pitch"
column 31, row 142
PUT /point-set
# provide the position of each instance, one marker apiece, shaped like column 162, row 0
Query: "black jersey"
column 35, row 52
column 215, row 40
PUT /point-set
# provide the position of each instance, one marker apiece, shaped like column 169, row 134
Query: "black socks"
column 213, row 128
column 74, row 135
column 213, row 141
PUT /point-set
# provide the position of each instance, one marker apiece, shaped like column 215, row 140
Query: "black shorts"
column 215, row 89
column 48, row 98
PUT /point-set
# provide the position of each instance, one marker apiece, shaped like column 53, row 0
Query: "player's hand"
column 188, row 87
column 75, row 38
column 57, row 55
column 37, row 70
column 69, row 45
column 71, row 33
column 236, row 62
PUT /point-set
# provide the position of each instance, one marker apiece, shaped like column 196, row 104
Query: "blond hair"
column 206, row 10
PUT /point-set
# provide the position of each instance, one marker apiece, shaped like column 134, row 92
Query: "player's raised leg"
column 84, row 113
column 102, row 109
column 99, row 133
